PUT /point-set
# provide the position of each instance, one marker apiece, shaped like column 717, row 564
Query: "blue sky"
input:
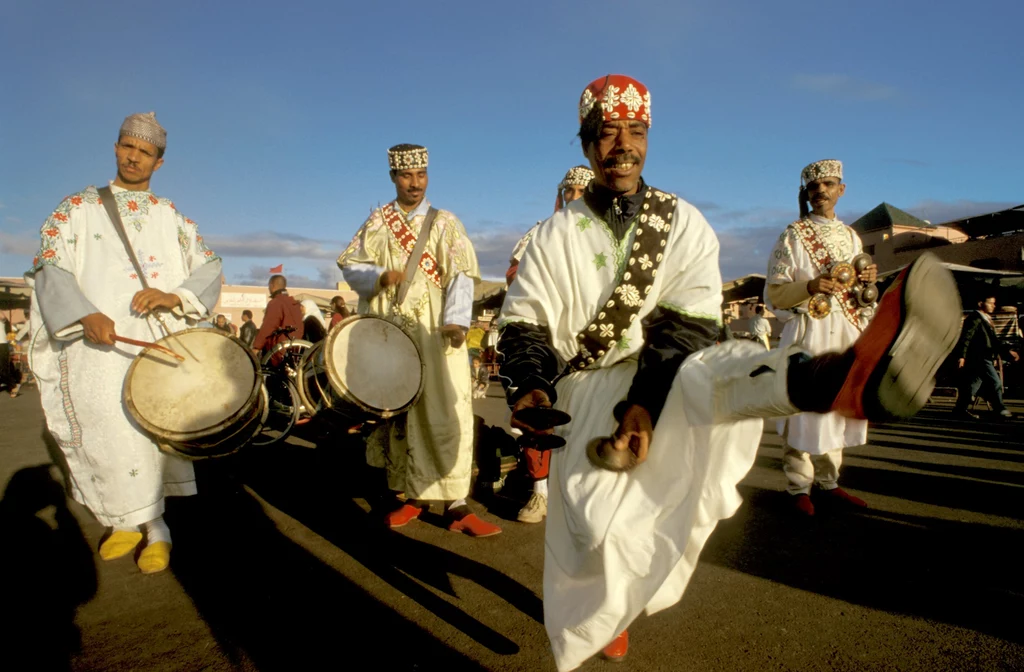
column 279, row 114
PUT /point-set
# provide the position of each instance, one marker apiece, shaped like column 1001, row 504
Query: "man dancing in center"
column 428, row 452
column 615, row 303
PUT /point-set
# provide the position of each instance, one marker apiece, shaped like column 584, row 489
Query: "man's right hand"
column 99, row 329
column 389, row 278
column 532, row 399
column 821, row 285
column 960, row 363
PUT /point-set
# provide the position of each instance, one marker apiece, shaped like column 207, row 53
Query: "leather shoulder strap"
column 110, row 205
column 417, row 252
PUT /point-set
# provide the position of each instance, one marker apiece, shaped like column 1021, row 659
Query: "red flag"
column 277, row 269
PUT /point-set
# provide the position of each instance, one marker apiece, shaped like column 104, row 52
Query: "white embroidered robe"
column 428, row 452
column 116, row 470
column 816, row 433
column 620, row 543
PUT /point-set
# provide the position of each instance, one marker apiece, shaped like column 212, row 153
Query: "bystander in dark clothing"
column 979, row 358
column 247, row 334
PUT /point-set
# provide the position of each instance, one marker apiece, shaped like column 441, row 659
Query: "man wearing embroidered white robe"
column 428, row 452
column 86, row 291
column 799, row 268
column 615, row 303
column 536, row 461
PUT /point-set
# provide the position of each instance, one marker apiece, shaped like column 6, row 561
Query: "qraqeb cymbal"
column 542, row 417
column 541, row 441
column 602, row 454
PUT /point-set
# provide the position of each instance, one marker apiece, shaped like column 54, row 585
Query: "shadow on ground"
column 959, row 573
column 46, row 569
column 269, row 600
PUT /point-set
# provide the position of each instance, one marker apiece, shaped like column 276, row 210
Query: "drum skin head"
column 374, row 362
column 214, row 383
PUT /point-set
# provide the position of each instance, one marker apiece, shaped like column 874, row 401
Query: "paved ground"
column 291, row 572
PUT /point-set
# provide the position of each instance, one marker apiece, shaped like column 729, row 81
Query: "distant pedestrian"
column 247, row 334
column 979, row 359
column 761, row 328
column 339, row 309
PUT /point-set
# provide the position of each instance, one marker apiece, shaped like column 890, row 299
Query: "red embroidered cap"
column 621, row 96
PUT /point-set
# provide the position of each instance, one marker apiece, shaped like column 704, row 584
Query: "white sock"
column 541, row 487
column 157, row 530
column 457, row 502
column 126, row 529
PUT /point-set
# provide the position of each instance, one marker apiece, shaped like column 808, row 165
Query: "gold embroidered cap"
column 407, row 157
column 821, row 169
column 145, row 127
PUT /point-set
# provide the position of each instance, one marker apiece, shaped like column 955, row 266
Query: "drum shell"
column 219, row 439
column 225, row 443
column 334, row 400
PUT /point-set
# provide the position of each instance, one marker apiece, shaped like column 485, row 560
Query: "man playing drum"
column 799, row 271
column 428, row 452
column 87, row 293
column 609, row 320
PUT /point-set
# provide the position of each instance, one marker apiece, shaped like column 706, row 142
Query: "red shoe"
column 803, row 504
column 474, row 526
column 895, row 359
column 403, row 516
column 840, row 496
column 617, row 650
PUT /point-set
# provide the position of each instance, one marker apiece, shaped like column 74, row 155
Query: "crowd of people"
column 636, row 418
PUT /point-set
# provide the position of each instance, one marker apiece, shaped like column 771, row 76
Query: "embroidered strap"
column 398, row 227
column 622, row 307
column 824, row 259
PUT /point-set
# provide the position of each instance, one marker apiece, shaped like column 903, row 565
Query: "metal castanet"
column 602, row 454
column 542, row 418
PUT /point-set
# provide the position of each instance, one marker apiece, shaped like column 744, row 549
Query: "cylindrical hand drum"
column 366, row 369
column 209, row 405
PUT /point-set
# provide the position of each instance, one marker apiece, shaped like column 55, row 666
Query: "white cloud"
column 843, row 87
column 273, row 245
column 19, row 243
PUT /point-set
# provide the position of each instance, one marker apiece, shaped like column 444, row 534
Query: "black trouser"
column 8, row 376
column 980, row 378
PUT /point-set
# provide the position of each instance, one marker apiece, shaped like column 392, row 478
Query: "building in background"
column 236, row 298
column 993, row 241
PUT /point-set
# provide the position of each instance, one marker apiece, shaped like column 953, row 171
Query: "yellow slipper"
column 119, row 544
column 155, row 557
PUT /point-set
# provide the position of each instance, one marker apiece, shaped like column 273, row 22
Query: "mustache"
column 613, row 161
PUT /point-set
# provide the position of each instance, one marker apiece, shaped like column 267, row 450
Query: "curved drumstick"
column 155, row 346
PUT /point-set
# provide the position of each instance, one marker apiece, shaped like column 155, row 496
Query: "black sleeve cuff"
column 527, row 361
column 669, row 338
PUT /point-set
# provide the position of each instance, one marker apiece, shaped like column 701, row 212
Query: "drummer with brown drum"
column 117, row 264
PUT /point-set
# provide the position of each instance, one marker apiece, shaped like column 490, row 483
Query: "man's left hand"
column 1016, row 357
column 151, row 299
column 635, row 432
column 869, row 274
column 455, row 334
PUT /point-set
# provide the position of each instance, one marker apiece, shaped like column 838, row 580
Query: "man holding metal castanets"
column 822, row 286
column 607, row 344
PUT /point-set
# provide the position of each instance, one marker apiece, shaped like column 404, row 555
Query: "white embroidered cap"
column 821, row 169
column 145, row 127
column 407, row 157
column 578, row 176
